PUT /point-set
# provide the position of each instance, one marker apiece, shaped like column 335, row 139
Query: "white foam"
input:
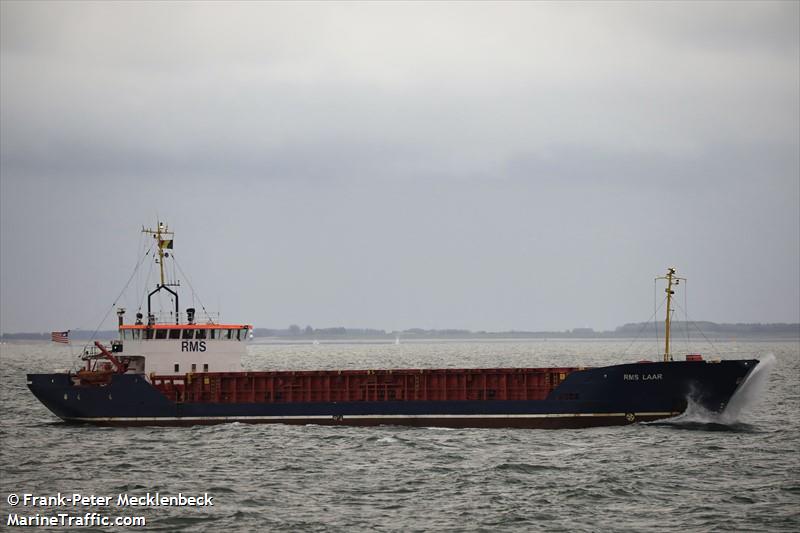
column 746, row 397
column 752, row 390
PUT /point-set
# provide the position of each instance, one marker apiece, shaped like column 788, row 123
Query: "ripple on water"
column 701, row 474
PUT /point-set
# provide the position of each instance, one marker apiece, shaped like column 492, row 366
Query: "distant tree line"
column 636, row 329
column 308, row 332
column 74, row 335
column 780, row 329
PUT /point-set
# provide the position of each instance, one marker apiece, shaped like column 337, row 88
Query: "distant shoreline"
column 293, row 334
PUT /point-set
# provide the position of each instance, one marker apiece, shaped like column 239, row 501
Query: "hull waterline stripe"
column 356, row 417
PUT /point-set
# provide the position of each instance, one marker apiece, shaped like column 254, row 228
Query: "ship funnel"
column 190, row 314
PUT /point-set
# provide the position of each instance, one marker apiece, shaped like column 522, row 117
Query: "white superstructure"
column 182, row 348
column 173, row 347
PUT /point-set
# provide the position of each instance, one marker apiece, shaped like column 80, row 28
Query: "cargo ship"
column 179, row 371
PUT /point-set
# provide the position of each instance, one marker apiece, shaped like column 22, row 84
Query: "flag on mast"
column 60, row 336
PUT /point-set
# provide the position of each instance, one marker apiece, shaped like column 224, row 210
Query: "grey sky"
column 393, row 165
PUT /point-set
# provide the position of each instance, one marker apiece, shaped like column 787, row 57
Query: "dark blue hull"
column 613, row 395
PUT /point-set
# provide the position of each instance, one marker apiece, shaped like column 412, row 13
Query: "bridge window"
column 200, row 334
column 137, row 334
column 177, row 368
column 188, row 333
column 205, row 367
column 174, row 334
column 229, row 334
column 194, row 367
column 148, row 333
column 161, row 334
column 212, row 334
column 244, row 334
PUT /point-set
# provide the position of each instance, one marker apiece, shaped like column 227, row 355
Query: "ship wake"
column 739, row 408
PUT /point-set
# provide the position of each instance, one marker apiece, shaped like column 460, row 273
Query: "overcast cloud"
column 392, row 165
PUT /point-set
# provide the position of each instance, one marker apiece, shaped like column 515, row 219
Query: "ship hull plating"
column 604, row 396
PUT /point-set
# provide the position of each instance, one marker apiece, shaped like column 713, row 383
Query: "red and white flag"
column 60, row 336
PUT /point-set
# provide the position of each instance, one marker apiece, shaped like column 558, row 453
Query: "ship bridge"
column 170, row 349
column 220, row 332
column 173, row 343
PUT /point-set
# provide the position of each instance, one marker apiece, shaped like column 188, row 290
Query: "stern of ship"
column 123, row 396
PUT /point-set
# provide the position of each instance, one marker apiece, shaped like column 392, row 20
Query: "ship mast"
column 163, row 238
column 672, row 280
column 159, row 234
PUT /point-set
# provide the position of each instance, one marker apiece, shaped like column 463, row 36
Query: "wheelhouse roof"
column 186, row 326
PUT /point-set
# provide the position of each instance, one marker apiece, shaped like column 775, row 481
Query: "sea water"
column 736, row 472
